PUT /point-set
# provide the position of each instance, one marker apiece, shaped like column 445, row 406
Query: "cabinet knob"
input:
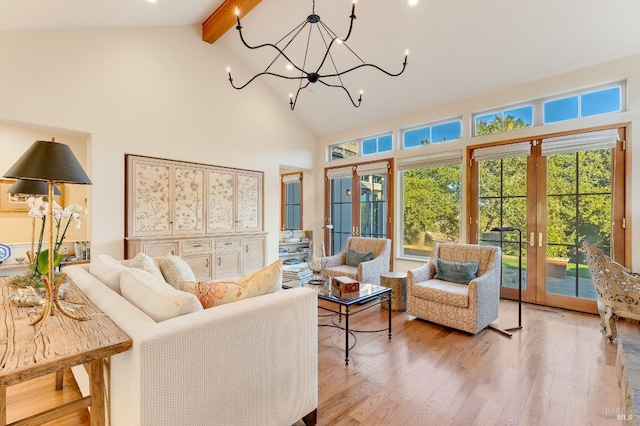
column 246, row 248
column 172, row 253
column 197, row 245
column 206, row 262
column 219, row 261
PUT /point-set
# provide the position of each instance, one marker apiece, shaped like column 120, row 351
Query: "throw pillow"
column 220, row 292
column 144, row 262
column 155, row 297
column 108, row 270
column 354, row 257
column 456, row 272
column 175, row 269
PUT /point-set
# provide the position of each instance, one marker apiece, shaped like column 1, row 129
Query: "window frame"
column 283, row 199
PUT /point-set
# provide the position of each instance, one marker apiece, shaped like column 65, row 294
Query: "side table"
column 63, row 343
column 397, row 282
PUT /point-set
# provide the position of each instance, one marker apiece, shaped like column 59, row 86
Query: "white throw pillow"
column 108, row 270
column 146, row 263
column 175, row 269
column 155, row 297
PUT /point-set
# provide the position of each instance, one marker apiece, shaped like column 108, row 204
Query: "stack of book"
column 302, row 274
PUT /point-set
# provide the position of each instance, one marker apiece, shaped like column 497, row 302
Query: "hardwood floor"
column 558, row 370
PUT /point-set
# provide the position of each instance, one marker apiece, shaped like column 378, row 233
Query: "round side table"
column 397, row 282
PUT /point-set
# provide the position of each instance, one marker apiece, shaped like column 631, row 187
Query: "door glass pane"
column 503, row 203
column 373, row 206
column 340, row 207
column 292, row 205
column 579, row 203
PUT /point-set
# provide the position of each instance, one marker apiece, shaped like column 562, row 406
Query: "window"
column 291, row 209
column 377, row 144
column 503, row 121
column 431, row 187
column 343, row 150
column 435, row 133
column 361, row 147
column 585, row 104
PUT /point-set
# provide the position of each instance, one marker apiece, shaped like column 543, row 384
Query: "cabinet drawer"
column 196, row 245
column 158, row 249
column 228, row 244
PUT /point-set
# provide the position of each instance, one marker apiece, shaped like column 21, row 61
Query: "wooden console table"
column 63, row 343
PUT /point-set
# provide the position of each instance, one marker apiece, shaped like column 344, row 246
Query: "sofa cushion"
column 445, row 292
column 354, row 257
column 456, row 272
column 175, row 269
column 108, row 270
column 146, row 263
column 219, row 292
column 155, row 297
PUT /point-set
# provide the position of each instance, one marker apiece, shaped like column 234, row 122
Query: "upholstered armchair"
column 617, row 289
column 367, row 271
column 468, row 307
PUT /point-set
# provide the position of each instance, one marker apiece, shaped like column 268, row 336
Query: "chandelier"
column 306, row 76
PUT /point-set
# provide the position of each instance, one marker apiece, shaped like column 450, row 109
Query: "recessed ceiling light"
column 413, row 2
column 152, row 1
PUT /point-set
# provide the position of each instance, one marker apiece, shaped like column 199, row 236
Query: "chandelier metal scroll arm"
column 335, row 37
column 280, row 51
column 293, row 101
column 404, row 66
column 258, row 75
column 340, row 86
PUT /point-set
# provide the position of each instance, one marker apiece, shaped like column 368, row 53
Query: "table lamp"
column 51, row 162
column 32, row 187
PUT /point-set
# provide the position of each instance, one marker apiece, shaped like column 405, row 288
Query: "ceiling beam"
column 224, row 18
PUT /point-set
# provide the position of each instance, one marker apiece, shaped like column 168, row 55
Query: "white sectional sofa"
column 250, row 362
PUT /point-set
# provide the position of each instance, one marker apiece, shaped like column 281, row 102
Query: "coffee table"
column 370, row 295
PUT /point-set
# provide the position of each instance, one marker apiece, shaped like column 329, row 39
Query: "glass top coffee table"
column 370, row 295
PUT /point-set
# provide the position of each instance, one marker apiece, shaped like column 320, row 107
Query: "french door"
column 358, row 203
column 539, row 200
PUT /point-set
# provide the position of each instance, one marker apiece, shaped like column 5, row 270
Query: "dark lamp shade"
column 32, row 187
column 50, row 161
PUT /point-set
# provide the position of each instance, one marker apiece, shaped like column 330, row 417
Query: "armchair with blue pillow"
column 362, row 259
column 459, row 287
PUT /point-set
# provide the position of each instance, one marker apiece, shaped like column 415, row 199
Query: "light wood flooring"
column 558, row 370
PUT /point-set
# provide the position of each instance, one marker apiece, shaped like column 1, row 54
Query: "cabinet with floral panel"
column 234, row 201
column 164, row 198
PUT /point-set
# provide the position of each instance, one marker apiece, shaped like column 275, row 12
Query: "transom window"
column 503, row 121
column 362, row 147
column 432, row 133
column 586, row 104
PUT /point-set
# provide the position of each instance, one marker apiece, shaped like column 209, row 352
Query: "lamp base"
column 505, row 331
column 52, row 302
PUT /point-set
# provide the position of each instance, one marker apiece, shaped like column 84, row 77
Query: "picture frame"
column 12, row 203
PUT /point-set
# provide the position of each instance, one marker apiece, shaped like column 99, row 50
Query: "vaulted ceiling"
column 458, row 48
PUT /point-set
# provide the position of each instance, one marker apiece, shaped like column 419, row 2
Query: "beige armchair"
column 368, row 271
column 467, row 307
column 617, row 289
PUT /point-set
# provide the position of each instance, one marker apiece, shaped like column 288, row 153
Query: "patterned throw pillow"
column 220, row 292
column 175, row 269
column 456, row 272
column 144, row 262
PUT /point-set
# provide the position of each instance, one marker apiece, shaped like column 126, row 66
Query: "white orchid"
column 38, row 208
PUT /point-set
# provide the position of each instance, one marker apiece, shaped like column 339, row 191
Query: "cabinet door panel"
column 150, row 197
column 254, row 253
column 189, row 200
column 220, row 204
column 227, row 264
column 249, row 201
column 200, row 265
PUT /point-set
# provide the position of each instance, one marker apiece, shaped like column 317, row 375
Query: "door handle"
column 532, row 239
column 246, row 248
column 219, row 261
column 540, row 239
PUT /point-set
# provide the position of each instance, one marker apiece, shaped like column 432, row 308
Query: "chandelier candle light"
column 51, row 162
column 332, row 78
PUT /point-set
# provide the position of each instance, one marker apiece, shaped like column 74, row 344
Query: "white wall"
column 158, row 92
column 627, row 68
